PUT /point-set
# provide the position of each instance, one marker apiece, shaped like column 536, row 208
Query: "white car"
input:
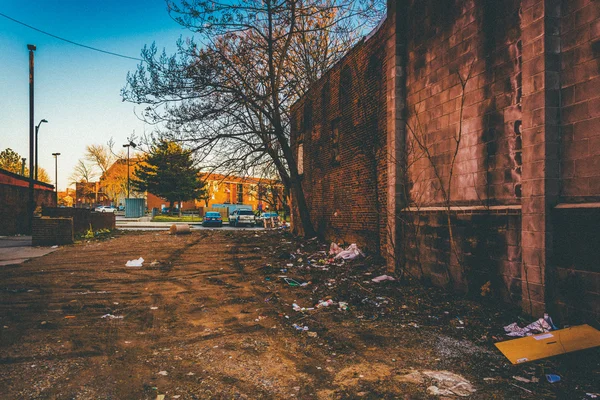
column 242, row 217
column 105, row 209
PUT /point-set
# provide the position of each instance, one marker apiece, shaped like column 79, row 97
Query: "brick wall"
column 580, row 90
column 82, row 218
column 14, row 216
column 48, row 231
column 341, row 126
column 492, row 109
column 489, row 245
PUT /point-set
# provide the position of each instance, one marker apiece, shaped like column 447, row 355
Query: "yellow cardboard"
column 550, row 344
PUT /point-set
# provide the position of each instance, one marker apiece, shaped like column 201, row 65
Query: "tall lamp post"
column 37, row 128
column 31, row 201
column 56, row 176
column 128, row 145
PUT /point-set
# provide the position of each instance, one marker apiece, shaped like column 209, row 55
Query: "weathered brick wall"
column 577, row 251
column 488, row 245
column 576, row 242
column 475, row 43
column 48, row 231
column 580, row 82
column 341, row 125
column 14, row 216
column 83, row 218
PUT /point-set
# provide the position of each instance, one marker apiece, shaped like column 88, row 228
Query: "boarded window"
column 300, row 160
column 335, row 141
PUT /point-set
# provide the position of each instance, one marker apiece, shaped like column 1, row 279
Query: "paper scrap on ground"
column 135, row 263
column 540, row 326
column 562, row 341
column 383, row 278
column 110, row 316
column 449, row 384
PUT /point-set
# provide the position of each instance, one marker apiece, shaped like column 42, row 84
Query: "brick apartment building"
column 483, row 113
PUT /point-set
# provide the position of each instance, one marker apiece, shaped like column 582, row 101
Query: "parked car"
column 268, row 215
column 105, row 209
column 212, row 218
column 242, row 217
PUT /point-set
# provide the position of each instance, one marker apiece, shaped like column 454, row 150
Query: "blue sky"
column 77, row 90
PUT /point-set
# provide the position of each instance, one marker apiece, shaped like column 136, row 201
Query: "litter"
column 292, row 282
column 163, row 373
column 449, row 384
column 135, row 263
column 335, row 249
column 551, row 378
column 160, row 397
column 545, row 345
column 525, row 380
column 312, row 334
column 540, row 326
column 300, row 327
column 110, row 316
column 69, row 316
column 350, row 253
column 325, row 303
column 54, row 247
column 180, row 229
column 343, row 306
column 383, row 278
column 154, row 308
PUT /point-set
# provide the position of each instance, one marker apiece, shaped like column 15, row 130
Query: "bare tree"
column 230, row 96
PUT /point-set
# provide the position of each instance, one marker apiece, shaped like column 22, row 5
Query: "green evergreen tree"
column 168, row 171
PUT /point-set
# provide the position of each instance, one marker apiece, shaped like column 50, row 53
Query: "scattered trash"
column 325, row 303
column 593, row 395
column 312, row 334
column 335, row 249
column 154, row 308
column 449, row 384
column 292, row 282
column 522, row 388
column 350, row 253
column 550, row 344
column 521, row 379
column 551, row 378
column 163, row 373
column 54, row 247
column 69, row 316
column 135, row 263
column 383, row 278
column 160, row 397
column 540, row 326
column 110, row 316
column 180, row 229
column 300, row 327
column 342, row 306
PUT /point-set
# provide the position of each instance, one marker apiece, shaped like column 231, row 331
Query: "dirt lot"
column 207, row 316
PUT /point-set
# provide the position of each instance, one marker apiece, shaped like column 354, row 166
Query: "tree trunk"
column 303, row 212
column 179, row 208
column 171, row 207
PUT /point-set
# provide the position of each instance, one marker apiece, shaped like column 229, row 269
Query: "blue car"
column 212, row 218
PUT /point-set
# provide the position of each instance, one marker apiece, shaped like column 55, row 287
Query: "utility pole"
column 56, row 176
column 31, row 201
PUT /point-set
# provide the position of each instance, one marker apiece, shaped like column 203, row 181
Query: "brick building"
column 461, row 140
column 14, row 197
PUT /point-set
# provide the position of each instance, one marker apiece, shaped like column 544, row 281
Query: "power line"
column 70, row 41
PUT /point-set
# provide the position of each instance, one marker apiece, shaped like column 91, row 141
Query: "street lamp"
column 37, row 128
column 56, row 175
column 128, row 145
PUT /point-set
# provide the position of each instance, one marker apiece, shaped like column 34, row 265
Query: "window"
column 240, row 193
column 300, row 160
column 345, row 91
column 335, row 141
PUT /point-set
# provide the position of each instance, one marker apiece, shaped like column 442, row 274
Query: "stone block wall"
column 48, row 231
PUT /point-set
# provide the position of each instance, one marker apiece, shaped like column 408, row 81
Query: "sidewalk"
column 18, row 249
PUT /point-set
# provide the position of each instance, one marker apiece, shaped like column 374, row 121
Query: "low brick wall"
column 51, row 231
column 103, row 221
column 83, row 218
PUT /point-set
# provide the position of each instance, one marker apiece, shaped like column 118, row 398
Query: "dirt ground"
column 208, row 315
